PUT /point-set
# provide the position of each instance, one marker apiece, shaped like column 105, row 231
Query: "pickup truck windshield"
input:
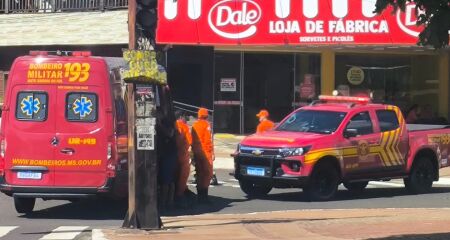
column 323, row 122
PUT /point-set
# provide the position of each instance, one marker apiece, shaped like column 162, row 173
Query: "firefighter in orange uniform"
column 183, row 141
column 264, row 123
column 202, row 148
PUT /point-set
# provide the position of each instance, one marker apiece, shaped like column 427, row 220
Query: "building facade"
column 238, row 56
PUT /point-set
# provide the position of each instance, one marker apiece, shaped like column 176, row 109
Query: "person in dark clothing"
column 166, row 151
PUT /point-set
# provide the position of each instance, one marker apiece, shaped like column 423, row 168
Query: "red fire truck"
column 340, row 139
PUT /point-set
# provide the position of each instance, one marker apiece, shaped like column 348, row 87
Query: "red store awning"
column 283, row 22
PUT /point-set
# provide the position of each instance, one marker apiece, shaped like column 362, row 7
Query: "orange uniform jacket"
column 265, row 125
column 201, row 139
column 184, row 141
column 202, row 148
column 184, row 135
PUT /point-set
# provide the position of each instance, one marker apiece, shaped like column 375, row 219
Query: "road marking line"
column 64, row 233
column 97, row 234
column 6, row 230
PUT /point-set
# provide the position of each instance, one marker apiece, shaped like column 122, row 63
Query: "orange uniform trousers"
column 202, row 148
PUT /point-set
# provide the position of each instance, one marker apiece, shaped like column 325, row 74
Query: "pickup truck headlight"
column 288, row 152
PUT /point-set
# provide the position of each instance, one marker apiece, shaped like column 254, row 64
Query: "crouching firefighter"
column 203, row 151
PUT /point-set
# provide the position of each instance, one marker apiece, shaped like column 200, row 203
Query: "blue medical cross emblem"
column 30, row 105
column 82, row 106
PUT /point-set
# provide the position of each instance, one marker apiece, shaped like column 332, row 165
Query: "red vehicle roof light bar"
column 360, row 100
column 81, row 53
column 38, row 53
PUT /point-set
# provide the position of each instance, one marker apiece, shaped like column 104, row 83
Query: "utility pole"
column 142, row 165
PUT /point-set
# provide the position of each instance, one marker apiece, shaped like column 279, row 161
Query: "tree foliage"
column 434, row 15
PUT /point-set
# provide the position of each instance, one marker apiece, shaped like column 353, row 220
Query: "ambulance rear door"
column 84, row 128
column 30, row 135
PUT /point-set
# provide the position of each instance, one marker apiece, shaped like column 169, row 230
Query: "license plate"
column 29, row 175
column 256, row 171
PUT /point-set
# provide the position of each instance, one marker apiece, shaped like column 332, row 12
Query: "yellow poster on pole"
column 143, row 67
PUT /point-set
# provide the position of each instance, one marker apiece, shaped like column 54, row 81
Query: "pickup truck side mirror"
column 350, row 132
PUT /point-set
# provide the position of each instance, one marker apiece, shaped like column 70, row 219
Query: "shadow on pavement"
column 101, row 209
column 431, row 236
column 87, row 209
column 344, row 195
column 217, row 204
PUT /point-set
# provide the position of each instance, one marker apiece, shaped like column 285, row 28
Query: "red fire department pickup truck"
column 345, row 140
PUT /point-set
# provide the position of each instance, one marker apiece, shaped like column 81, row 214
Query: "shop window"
column 362, row 123
column 31, row 106
column 81, row 107
column 388, row 120
column 401, row 80
column 307, row 78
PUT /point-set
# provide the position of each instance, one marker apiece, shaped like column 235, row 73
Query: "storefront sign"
column 355, row 75
column 228, row 84
column 281, row 22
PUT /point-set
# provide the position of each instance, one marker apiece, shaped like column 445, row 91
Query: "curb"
column 228, row 136
column 317, row 224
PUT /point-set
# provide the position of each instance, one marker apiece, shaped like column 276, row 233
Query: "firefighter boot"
column 203, row 196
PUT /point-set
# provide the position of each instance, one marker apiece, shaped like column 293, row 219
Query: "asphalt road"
column 76, row 220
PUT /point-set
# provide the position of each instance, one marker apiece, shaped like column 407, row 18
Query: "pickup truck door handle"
column 68, row 151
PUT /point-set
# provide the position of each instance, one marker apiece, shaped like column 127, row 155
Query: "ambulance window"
column 362, row 123
column 81, row 107
column 31, row 106
column 388, row 120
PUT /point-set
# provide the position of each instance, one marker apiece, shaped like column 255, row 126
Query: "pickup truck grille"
column 270, row 165
column 254, row 161
column 260, row 151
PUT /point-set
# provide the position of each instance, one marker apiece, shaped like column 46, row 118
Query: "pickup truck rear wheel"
column 24, row 205
column 356, row 187
column 421, row 176
column 323, row 182
column 253, row 189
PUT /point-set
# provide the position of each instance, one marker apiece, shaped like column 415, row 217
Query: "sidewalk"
column 303, row 224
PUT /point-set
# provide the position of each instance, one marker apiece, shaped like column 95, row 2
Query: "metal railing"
column 47, row 6
column 191, row 110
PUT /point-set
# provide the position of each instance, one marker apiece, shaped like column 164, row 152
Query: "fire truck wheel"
column 24, row 205
column 323, row 182
column 356, row 187
column 253, row 189
column 421, row 176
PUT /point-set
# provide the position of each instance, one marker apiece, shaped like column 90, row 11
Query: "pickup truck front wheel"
column 421, row 176
column 253, row 189
column 323, row 182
